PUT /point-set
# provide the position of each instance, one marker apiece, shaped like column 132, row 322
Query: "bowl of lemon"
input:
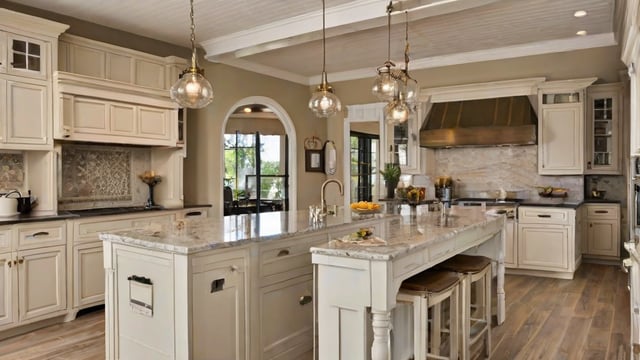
column 365, row 207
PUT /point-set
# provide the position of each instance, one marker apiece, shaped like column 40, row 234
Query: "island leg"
column 380, row 323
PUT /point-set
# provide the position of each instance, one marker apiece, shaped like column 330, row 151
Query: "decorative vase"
column 391, row 189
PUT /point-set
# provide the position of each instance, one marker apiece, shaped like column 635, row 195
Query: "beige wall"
column 203, row 178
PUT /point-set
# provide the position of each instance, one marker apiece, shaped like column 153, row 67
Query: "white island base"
column 356, row 286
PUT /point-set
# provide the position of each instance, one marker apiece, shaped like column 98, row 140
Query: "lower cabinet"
column 546, row 242
column 511, row 244
column 602, row 231
column 88, row 274
column 33, row 285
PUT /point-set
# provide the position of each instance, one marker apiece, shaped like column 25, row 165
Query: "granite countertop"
column 70, row 214
column 419, row 228
column 233, row 230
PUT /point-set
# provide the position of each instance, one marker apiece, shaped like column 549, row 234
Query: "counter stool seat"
column 428, row 290
column 475, row 308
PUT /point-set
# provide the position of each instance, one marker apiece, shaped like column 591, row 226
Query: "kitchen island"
column 241, row 287
column 353, row 280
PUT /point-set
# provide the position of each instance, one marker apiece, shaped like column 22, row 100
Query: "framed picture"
column 313, row 160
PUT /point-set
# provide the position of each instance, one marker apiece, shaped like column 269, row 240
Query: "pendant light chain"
column 324, row 50
column 389, row 10
column 406, row 41
column 193, row 37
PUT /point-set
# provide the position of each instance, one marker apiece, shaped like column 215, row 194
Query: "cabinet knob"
column 21, row 260
column 9, row 263
column 305, row 299
column 234, row 267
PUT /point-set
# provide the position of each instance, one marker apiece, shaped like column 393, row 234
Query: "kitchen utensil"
column 24, row 204
column 8, row 205
column 598, row 194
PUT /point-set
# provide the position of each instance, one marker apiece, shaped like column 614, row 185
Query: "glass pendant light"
column 324, row 103
column 385, row 86
column 403, row 104
column 192, row 90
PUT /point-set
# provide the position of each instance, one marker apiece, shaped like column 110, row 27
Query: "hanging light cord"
column 389, row 10
column 406, row 42
column 324, row 55
column 193, row 38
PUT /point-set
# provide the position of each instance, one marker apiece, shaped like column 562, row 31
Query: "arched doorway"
column 290, row 131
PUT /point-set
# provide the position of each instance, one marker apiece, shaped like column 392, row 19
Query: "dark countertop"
column 565, row 205
column 601, row 201
column 70, row 214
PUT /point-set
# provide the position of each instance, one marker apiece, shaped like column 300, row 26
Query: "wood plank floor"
column 584, row 318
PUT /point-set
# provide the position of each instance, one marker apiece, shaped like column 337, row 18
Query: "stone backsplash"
column 481, row 171
column 11, row 171
column 96, row 176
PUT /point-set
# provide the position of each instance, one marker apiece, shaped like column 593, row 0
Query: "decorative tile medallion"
column 92, row 173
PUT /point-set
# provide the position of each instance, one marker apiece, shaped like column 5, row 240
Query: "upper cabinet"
column 561, row 145
column 106, row 93
column 603, row 120
column 28, row 55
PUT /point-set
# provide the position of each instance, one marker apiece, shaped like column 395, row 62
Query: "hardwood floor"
column 584, row 318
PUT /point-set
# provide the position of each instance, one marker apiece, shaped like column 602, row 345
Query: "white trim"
column 289, row 128
column 528, row 86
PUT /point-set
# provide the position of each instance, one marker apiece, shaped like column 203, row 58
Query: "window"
column 364, row 157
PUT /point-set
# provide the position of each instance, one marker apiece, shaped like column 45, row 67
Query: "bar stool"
column 426, row 291
column 475, row 313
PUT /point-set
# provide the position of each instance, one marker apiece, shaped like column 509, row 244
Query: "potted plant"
column 391, row 176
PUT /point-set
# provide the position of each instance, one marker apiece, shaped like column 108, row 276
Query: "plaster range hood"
column 486, row 114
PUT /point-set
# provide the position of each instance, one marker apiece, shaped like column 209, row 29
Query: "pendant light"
column 385, row 85
column 192, row 90
column 324, row 103
column 403, row 104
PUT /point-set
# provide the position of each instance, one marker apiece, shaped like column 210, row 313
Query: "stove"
column 506, row 206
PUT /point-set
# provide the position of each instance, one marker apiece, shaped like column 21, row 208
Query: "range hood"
column 487, row 114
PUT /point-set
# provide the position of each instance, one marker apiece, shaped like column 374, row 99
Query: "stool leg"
column 465, row 319
column 436, row 325
column 421, row 345
column 454, row 324
column 487, row 283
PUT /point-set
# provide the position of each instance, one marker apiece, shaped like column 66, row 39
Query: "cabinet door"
column 85, row 60
column 90, row 116
column 27, row 56
column 41, row 282
column 8, row 290
column 88, row 274
column 153, row 123
column 219, row 302
column 543, row 247
column 511, row 245
column 286, row 319
column 602, row 237
column 122, row 119
column 603, row 119
column 561, row 139
column 27, row 113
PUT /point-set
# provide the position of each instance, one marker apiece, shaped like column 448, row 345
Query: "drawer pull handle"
column 39, row 233
column 544, row 215
column 304, row 300
column 283, row 252
column 217, row 285
column 20, row 261
column 602, row 211
column 193, row 213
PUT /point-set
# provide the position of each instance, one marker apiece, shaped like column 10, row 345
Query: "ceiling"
column 283, row 38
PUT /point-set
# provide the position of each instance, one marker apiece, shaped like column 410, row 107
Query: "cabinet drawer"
column 545, row 215
column 603, row 211
column 42, row 234
column 88, row 230
column 285, row 256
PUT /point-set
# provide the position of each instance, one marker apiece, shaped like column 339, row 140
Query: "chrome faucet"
column 322, row 190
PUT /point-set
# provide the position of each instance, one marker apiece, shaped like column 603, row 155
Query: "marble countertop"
column 194, row 235
column 419, row 228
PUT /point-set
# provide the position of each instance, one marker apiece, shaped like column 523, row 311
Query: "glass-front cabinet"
column 603, row 129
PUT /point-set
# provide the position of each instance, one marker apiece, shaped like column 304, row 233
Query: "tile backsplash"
column 477, row 171
column 11, row 171
column 95, row 176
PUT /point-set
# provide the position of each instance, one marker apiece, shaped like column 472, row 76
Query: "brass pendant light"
column 192, row 90
column 385, row 85
column 324, row 103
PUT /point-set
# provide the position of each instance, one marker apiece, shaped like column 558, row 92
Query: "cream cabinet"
column 34, row 278
column 86, row 253
column 286, row 292
column 547, row 242
column 561, row 107
column 28, row 55
column 602, row 231
column 603, row 135
column 100, row 120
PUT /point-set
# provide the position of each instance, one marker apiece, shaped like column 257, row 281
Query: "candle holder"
column 151, row 179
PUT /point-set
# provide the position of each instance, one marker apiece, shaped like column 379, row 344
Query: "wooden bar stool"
column 426, row 291
column 475, row 295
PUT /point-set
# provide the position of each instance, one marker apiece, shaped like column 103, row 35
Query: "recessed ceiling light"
column 247, row 109
column 582, row 33
column 580, row 13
